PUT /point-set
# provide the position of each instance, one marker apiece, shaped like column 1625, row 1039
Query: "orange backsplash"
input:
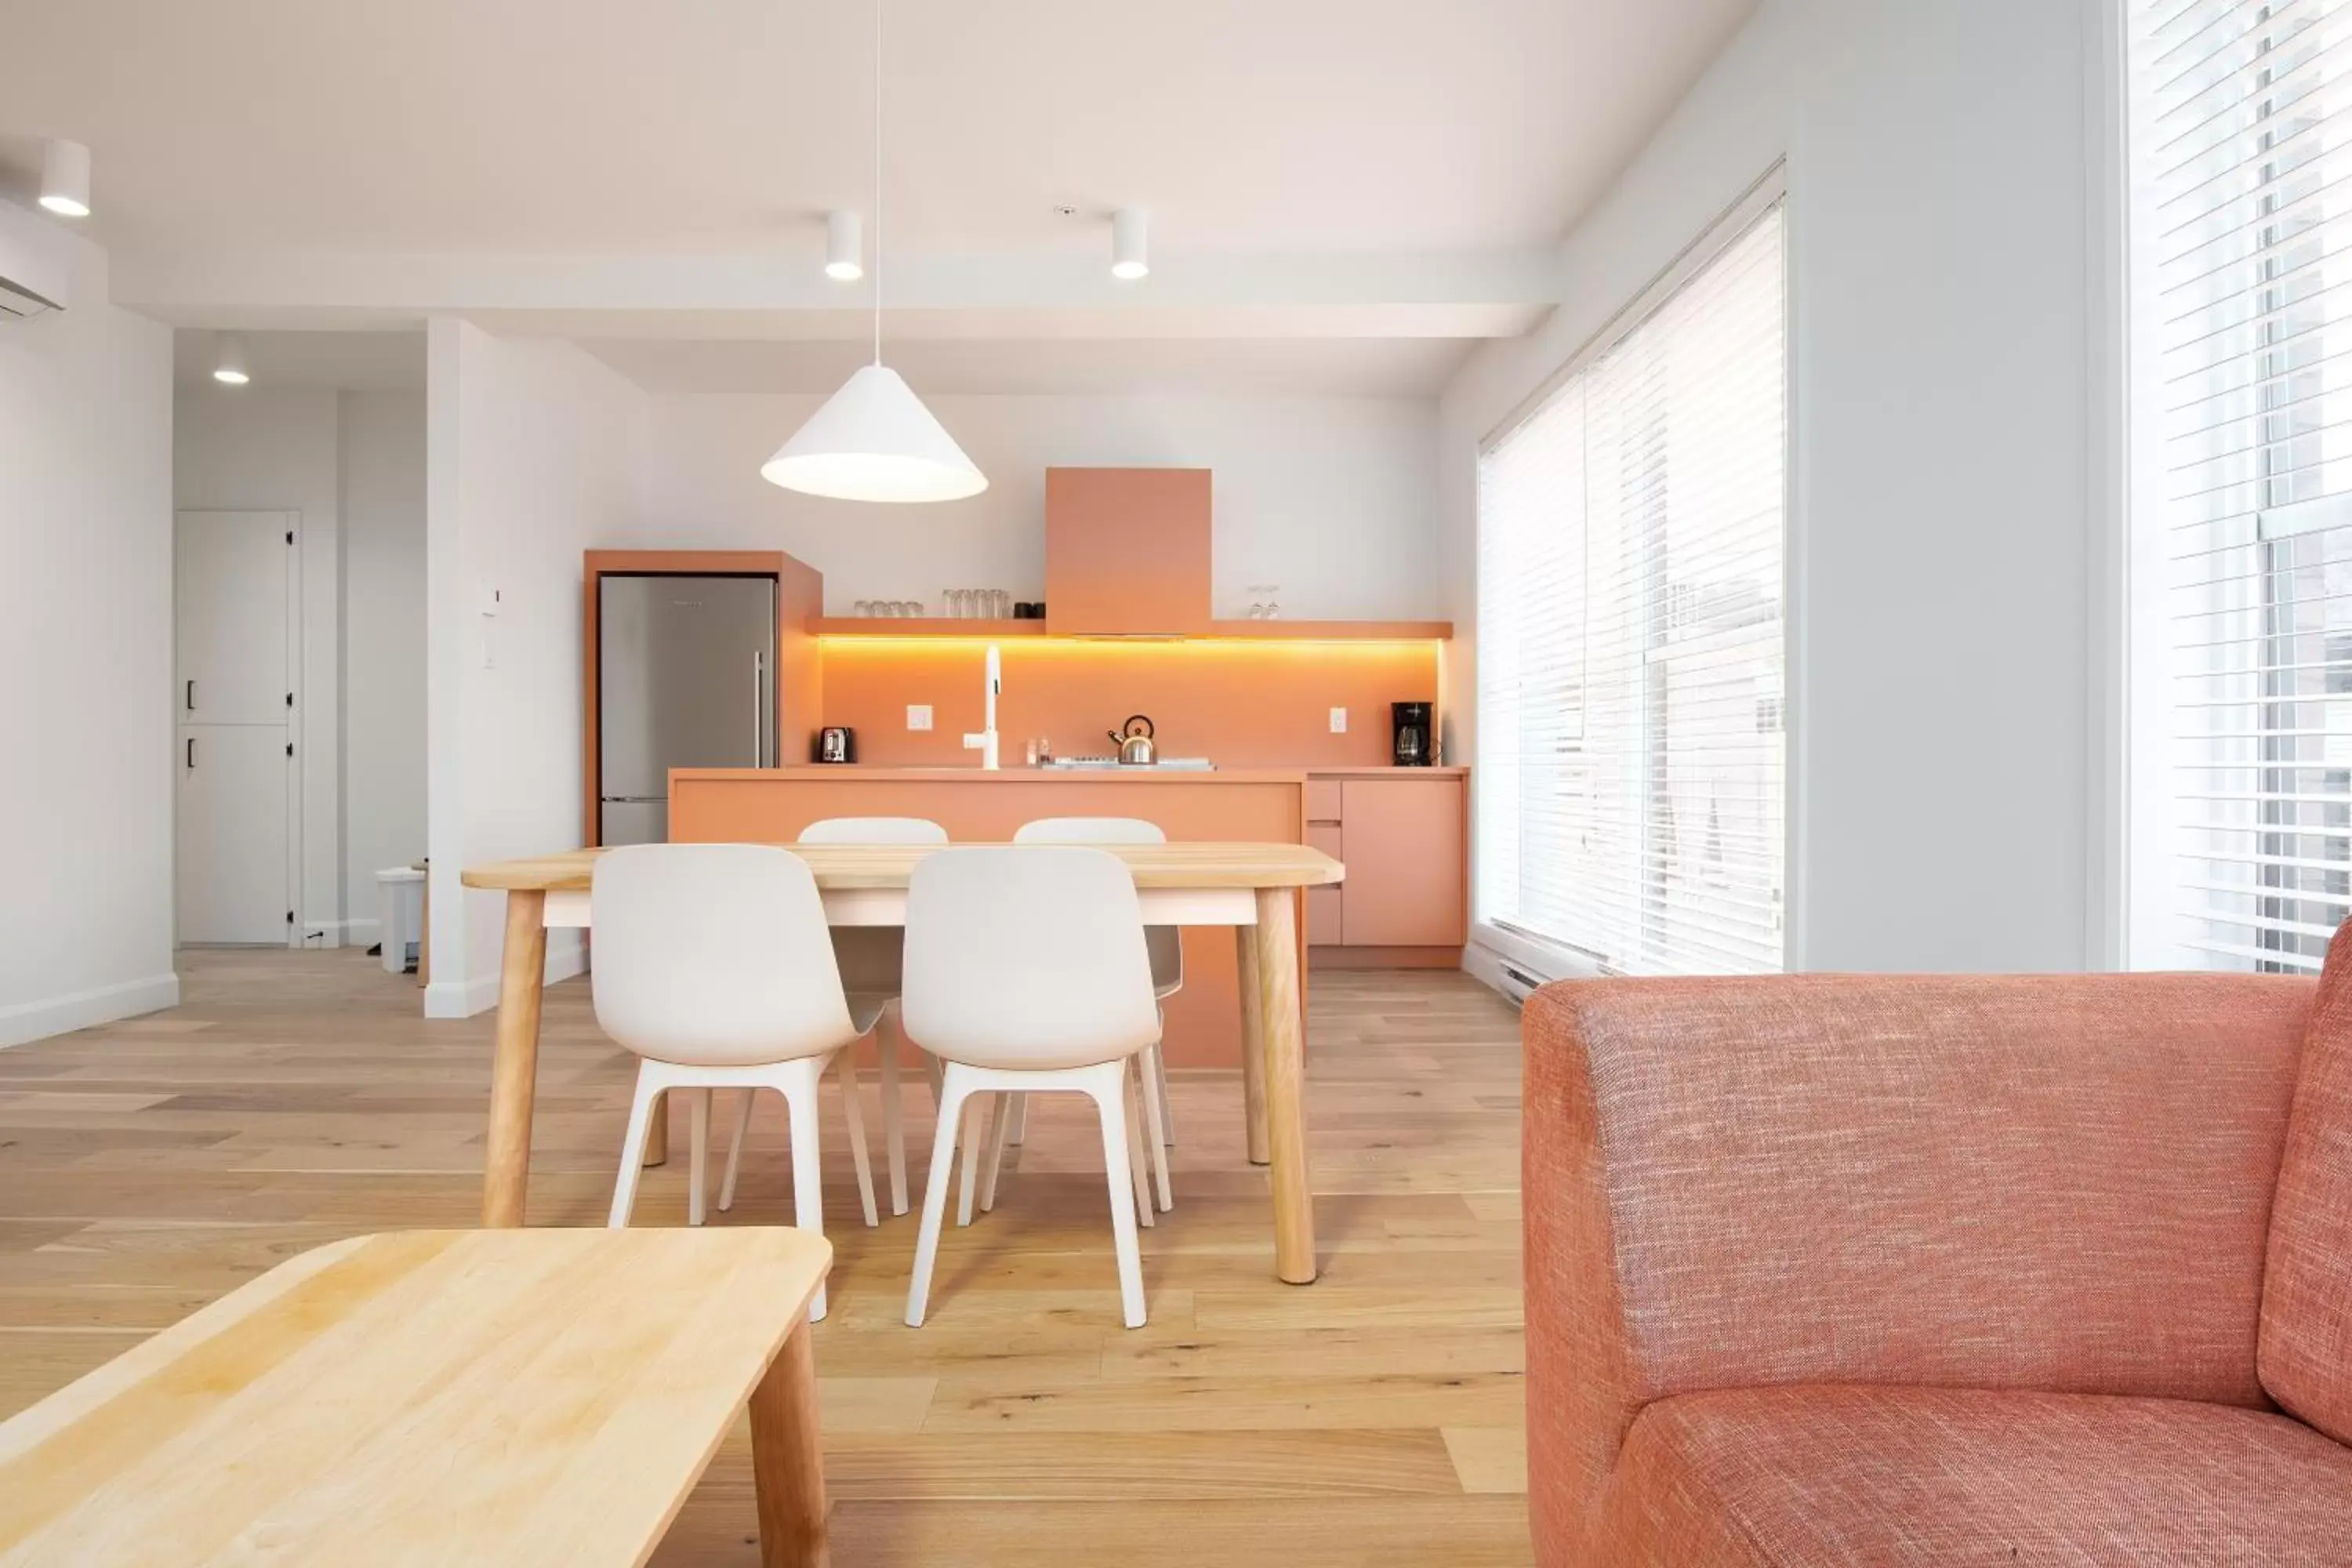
column 1238, row 703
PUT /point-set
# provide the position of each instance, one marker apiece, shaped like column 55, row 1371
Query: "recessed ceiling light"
column 1127, row 259
column 845, row 247
column 65, row 179
column 228, row 360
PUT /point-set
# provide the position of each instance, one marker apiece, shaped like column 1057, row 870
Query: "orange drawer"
column 1323, row 801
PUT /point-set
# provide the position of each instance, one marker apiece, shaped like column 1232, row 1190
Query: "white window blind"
column 1631, row 773
column 2240, row 154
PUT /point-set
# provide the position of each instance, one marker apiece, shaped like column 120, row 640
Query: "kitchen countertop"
column 840, row 771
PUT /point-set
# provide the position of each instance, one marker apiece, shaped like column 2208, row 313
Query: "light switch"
column 1338, row 721
column 918, row 715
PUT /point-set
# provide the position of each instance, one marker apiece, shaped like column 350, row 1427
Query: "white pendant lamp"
column 65, row 179
column 874, row 440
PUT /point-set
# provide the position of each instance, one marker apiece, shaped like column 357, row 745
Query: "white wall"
column 535, row 452
column 85, row 657
column 1939, row 154
column 382, row 642
column 253, row 448
column 1333, row 499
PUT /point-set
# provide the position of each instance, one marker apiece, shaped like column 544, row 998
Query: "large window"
column 2239, row 148
column 1631, row 778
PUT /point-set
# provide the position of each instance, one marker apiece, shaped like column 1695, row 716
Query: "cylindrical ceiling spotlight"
column 228, row 360
column 845, row 247
column 1126, row 243
column 65, row 179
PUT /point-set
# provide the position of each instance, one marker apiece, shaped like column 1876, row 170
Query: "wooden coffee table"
column 507, row 1396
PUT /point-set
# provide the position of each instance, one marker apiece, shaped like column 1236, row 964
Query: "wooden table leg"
column 657, row 1134
column 788, row 1460
column 1253, row 1048
column 514, row 1065
column 1277, row 933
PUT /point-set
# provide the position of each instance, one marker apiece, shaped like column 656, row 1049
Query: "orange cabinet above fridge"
column 1127, row 551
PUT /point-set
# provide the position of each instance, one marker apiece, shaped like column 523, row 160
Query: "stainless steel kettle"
column 1136, row 746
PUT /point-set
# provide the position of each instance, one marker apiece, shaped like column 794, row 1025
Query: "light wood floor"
column 147, row 1167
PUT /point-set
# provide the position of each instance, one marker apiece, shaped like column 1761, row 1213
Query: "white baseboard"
column 464, row 998
column 81, row 1009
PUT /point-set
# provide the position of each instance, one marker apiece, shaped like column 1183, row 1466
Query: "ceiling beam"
column 787, row 296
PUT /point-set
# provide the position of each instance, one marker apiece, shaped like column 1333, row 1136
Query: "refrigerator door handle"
column 759, row 702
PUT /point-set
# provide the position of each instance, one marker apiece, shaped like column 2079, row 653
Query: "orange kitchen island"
column 770, row 805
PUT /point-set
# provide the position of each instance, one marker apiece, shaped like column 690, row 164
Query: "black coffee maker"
column 1417, row 736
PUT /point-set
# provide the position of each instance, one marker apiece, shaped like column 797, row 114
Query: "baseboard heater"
column 1517, row 984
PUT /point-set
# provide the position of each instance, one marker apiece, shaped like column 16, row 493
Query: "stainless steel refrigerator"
column 685, row 678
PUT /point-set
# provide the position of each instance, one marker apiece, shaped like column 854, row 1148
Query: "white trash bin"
column 400, row 914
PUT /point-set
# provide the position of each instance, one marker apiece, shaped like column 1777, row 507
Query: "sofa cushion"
column 2305, row 1351
column 1852, row 1477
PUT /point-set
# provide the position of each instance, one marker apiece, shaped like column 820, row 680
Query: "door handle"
column 759, row 724
column 192, row 696
column 192, row 751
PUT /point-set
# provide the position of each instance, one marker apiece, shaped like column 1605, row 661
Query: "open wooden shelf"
column 1334, row 631
column 1219, row 631
column 922, row 627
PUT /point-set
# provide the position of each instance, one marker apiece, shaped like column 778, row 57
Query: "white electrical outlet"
column 1338, row 721
column 918, row 715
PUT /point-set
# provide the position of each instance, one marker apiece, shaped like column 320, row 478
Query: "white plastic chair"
column 714, row 965
column 1166, row 946
column 1026, row 972
column 870, row 958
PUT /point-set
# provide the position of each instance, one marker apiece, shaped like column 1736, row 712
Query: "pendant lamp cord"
column 877, row 181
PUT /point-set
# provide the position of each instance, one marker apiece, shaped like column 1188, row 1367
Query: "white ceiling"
column 1368, row 367
column 1313, row 168
column 351, row 362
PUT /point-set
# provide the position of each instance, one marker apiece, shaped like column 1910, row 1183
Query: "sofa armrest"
column 2048, row 1182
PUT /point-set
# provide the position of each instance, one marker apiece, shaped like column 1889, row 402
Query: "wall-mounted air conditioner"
column 34, row 267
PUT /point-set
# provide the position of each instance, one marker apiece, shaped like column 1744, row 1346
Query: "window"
column 1631, row 779
column 2240, row 147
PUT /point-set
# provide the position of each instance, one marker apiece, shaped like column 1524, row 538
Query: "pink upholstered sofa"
column 1871, row 1271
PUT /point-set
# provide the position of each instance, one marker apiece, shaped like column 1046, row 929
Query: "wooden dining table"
column 1252, row 888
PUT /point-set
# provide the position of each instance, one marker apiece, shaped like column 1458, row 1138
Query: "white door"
column 235, row 581
column 234, row 800
column 235, row 610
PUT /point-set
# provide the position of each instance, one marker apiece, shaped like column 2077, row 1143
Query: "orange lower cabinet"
column 1404, row 860
column 1325, row 927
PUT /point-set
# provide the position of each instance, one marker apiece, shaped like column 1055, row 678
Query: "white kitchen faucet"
column 984, row 743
